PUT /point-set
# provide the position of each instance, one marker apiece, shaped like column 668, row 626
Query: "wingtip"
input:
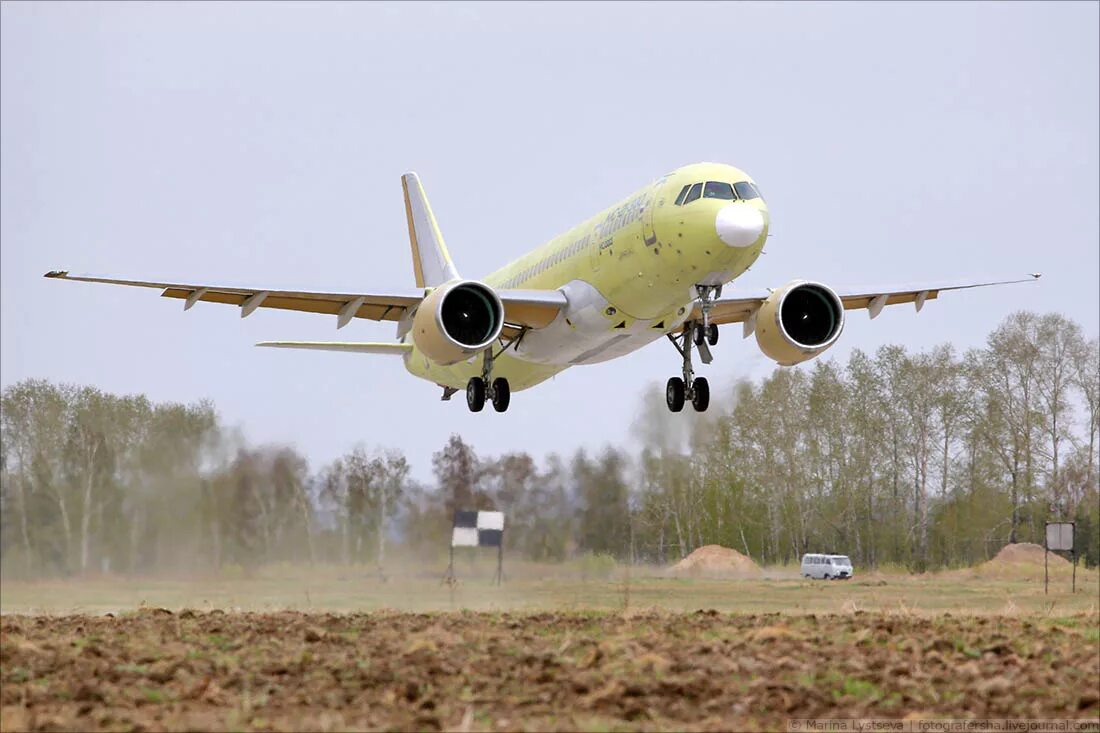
column 1036, row 275
column 56, row 273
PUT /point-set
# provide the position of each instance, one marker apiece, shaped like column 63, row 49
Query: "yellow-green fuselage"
column 629, row 273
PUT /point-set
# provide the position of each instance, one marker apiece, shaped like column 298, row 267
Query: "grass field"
column 333, row 649
column 559, row 588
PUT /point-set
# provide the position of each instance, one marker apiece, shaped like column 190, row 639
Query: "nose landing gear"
column 702, row 334
column 688, row 388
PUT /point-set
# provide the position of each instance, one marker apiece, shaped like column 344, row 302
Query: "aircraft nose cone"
column 739, row 225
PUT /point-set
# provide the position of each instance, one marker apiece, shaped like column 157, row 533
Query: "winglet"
column 431, row 262
column 57, row 273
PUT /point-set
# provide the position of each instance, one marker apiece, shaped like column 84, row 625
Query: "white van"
column 826, row 566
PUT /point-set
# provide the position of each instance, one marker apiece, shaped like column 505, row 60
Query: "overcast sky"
column 262, row 144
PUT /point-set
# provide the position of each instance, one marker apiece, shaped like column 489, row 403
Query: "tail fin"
column 431, row 261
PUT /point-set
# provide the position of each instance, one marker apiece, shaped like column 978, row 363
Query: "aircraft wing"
column 743, row 309
column 354, row 347
column 522, row 308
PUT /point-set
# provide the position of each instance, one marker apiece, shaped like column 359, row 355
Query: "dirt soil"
column 715, row 561
column 158, row 670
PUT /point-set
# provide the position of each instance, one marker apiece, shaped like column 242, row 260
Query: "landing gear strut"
column 703, row 334
column 687, row 388
column 496, row 390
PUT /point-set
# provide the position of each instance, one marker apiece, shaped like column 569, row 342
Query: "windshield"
column 841, row 561
column 718, row 190
column 746, row 190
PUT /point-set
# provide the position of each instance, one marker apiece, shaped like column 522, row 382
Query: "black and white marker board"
column 477, row 529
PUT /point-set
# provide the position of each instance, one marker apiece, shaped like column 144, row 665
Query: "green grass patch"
column 860, row 689
column 153, row 695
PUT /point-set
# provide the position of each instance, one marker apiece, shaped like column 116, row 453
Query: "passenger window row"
column 742, row 190
column 544, row 265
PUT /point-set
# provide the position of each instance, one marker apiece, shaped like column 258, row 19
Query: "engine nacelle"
column 799, row 321
column 457, row 320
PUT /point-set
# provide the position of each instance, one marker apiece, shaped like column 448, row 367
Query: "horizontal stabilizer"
column 358, row 347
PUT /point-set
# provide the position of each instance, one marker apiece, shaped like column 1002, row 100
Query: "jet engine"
column 457, row 320
column 799, row 321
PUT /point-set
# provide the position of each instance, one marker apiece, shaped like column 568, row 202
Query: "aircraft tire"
column 502, row 394
column 674, row 394
column 699, row 334
column 700, row 394
column 475, row 394
column 712, row 334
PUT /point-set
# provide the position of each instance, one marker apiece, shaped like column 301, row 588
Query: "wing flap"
column 524, row 308
column 373, row 306
column 294, row 302
column 855, row 302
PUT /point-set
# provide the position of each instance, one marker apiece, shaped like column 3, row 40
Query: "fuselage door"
column 649, row 234
column 594, row 254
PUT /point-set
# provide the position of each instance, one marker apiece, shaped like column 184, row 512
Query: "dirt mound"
column 715, row 561
column 1027, row 553
column 1024, row 561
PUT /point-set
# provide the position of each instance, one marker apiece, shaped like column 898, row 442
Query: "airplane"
column 651, row 266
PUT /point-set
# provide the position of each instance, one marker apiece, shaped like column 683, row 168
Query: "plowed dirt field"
column 160, row 670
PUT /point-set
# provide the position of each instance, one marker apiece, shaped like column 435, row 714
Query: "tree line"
column 924, row 459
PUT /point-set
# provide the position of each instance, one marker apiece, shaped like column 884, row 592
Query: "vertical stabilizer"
column 431, row 262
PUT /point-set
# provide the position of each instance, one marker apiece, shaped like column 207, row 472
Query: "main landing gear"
column 479, row 388
column 702, row 334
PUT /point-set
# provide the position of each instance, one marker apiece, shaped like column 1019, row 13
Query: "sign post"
column 1059, row 538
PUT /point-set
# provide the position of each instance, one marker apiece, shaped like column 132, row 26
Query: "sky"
column 262, row 144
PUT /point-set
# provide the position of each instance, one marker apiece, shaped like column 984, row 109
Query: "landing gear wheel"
column 712, row 334
column 674, row 394
column 699, row 334
column 475, row 394
column 502, row 395
column 700, row 394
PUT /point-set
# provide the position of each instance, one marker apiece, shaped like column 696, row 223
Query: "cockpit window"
column 718, row 190
column 695, row 192
column 746, row 190
column 683, row 192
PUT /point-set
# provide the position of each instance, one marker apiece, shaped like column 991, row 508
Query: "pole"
column 1046, row 572
column 449, row 576
column 1073, row 551
column 500, row 562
